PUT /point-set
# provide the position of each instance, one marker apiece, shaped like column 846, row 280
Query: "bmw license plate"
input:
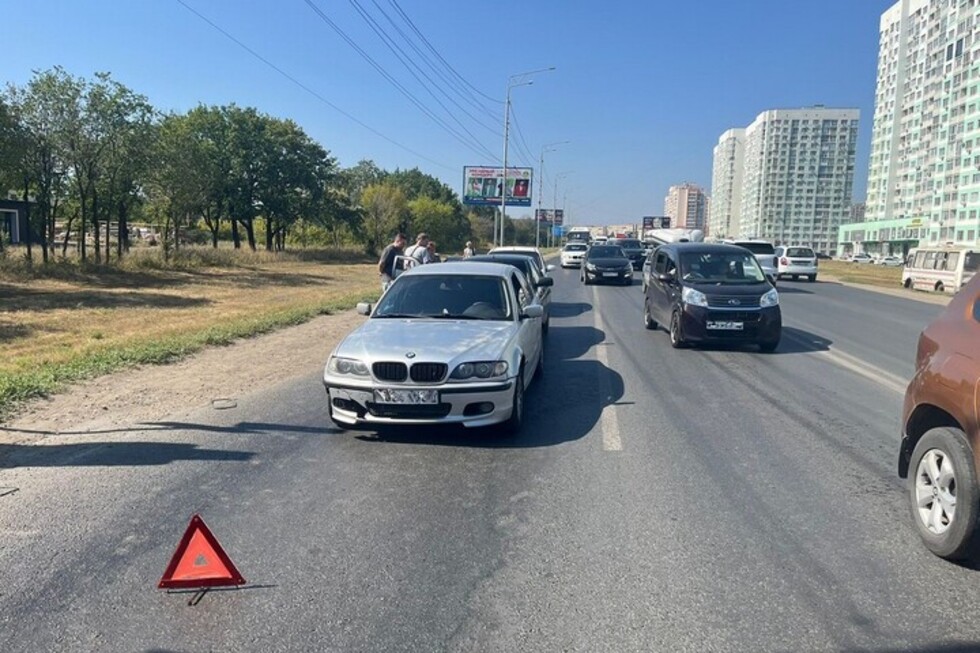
column 725, row 326
column 391, row 396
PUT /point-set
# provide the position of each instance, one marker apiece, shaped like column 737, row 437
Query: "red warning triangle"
column 199, row 561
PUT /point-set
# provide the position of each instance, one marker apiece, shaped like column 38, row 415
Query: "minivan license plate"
column 725, row 326
column 391, row 396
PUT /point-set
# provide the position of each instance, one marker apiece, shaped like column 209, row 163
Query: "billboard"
column 543, row 215
column 648, row 222
column 559, row 216
column 482, row 186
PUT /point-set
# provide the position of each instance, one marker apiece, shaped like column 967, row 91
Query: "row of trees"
column 88, row 155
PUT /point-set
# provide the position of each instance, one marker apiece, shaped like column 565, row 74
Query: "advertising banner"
column 543, row 215
column 648, row 222
column 483, row 185
column 559, row 217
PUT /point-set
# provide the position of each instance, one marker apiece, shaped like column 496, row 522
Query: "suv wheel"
column 676, row 338
column 943, row 493
column 811, row 278
column 768, row 346
column 648, row 320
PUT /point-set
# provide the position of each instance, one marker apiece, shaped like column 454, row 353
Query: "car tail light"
column 784, row 261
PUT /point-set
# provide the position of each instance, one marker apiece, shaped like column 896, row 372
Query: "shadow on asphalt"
column 562, row 406
column 569, row 309
column 791, row 290
column 241, row 428
column 950, row 647
column 111, row 454
column 793, row 341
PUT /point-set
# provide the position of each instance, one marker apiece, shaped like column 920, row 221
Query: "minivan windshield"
column 720, row 268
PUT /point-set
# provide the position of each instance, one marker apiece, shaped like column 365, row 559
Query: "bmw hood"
column 445, row 341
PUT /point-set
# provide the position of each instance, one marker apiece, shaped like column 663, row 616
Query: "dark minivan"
column 712, row 293
column 634, row 249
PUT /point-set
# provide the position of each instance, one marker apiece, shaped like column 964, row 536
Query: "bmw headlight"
column 480, row 370
column 344, row 366
column 693, row 297
column 771, row 298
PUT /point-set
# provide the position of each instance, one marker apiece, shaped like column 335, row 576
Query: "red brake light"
column 784, row 261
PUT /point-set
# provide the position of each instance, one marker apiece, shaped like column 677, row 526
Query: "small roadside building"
column 13, row 221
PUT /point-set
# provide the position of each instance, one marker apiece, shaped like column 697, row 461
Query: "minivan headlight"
column 771, row 298
column 340, row 365
column 693, row 297
column 480, row 370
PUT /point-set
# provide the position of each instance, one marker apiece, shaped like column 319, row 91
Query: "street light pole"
column 547, row 147
column 512, row 82
column 557, row 177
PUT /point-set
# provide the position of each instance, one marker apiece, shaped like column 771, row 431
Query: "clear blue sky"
column 642, row 89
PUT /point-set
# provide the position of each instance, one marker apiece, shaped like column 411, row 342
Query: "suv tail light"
column 784, row 261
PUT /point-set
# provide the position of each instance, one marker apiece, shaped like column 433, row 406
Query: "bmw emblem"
column 410, row 354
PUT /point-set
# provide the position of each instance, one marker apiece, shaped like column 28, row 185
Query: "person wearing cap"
column 468, row 251
column 420, row 250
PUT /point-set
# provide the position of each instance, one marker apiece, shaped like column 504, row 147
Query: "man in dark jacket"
column 386, row 264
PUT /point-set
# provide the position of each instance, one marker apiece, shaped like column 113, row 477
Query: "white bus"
column 942, row 269
column 658, row 237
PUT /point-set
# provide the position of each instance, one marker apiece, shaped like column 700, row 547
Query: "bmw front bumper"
column 468, row 404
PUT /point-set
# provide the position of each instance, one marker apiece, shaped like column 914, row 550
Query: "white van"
column 942, row 269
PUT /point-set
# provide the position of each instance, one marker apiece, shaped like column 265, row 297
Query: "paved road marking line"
column 608, row 420
column 854, row 364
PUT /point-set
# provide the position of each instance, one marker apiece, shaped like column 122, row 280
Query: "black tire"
column 907, row 283
column 586, row 280
column 768, row 346
column 648, row 320
column 545, row 326
column 811, row 278
column 940, row 287
column 960, row 539
column 676, row 336
column 539, row 368
column 516, row 420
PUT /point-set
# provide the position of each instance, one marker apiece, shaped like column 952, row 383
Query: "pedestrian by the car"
column 386, row 264
column 420, row 250
column 433, row 254
column 468, row 250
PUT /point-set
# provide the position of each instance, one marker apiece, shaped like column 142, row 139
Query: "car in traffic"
column 540, row 284
column 572, row 254
column 633, row 249
column 708, row 293
column 764, row 253
column 861, row 257
column 891, row 261
column 940, row 437
column 454, row 343
column 532, row 252
column 796, row 262
column 606, row 263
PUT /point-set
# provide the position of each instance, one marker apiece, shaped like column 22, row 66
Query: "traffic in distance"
column 461, row 342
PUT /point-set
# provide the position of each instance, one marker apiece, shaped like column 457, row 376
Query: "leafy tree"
column 385, row 209
column 441, row 221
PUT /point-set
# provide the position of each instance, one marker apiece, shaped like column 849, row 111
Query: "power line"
column 309, row 90
column 520, row 142
column 394, row 82
column 463, row 92
column 412, row 66
column 394, row 3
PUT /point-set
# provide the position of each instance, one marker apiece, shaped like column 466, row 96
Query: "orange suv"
column 940, row 452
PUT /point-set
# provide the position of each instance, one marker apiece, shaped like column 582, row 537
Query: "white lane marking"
column 854, row 364
column 608, row 420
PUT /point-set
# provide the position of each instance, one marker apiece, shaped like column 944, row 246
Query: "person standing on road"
column 386, row 264
column 420, row 250
column 468, row 250
column 433, row 254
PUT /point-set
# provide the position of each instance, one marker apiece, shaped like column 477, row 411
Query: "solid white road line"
column 854, row 364
column 608, row 420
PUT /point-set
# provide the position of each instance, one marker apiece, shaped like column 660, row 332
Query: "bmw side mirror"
column 363, row 308
column 533, row 311
column 544, row 282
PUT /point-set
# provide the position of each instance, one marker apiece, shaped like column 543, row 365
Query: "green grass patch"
column 47, row 378
column 864, row 273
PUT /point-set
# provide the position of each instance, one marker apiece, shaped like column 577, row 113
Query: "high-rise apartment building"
column 687, row 206
column 726, row 184
column 798, row 176
column 924, row 172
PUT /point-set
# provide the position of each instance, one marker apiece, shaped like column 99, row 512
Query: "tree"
column 441, row 221
column 385, row 209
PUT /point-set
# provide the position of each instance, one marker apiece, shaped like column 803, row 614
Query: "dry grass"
column 87, row 321
column 866, row 273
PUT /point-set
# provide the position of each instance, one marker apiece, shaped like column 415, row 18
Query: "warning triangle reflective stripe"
column 199, row 561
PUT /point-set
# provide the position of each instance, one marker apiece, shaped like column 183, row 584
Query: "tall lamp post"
column 548, row 147
column 558, row 177
column 520, row 79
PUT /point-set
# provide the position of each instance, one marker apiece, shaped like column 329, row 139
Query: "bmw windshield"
column 451, row 296
column 721, row 268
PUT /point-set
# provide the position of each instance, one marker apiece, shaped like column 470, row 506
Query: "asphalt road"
column 658, row 499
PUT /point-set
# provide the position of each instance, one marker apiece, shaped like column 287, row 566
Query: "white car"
column 892, row 261
column 455, row 343
column 796, row 262
column 861, row 258
column 572, row 255
column 533, row 252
